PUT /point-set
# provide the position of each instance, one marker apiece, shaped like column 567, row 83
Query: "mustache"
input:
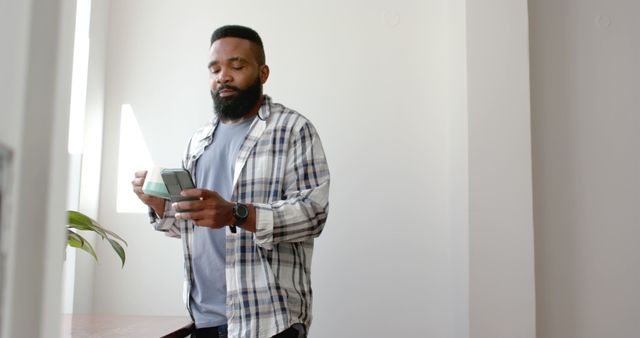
column 226, row 86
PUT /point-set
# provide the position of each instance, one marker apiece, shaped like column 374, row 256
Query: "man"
column 260, row 168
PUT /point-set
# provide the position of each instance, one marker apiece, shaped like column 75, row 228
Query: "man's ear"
column 264, row 73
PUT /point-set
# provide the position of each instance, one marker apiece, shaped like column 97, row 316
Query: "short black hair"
column 241, row 32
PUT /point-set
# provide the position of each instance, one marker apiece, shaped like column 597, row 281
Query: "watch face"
column 242, row 211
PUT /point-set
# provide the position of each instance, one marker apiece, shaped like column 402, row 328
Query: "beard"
column 236, row 106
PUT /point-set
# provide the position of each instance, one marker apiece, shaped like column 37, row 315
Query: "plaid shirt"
column 281, row 169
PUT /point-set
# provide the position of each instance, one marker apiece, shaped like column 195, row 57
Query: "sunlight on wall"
column 79, row 77
column 133, row 156
column 75, row 147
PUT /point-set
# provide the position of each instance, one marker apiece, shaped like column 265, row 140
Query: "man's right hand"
column 156, row 203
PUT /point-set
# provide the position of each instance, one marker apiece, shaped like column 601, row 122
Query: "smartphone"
column 177, row 180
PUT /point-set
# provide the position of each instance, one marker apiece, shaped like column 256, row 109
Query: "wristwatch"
column 240, row 213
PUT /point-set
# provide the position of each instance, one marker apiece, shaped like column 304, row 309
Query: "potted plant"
column 77, row 221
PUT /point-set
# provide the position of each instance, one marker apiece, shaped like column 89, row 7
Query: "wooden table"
column 98, row 326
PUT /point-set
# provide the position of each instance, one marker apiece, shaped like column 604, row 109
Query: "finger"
column 197, row 218
column 187, row 215
column 202, row 193
column 141, row 173
column 194, row 193
column 141, row 194
column 204, row 217
column 194, row 213
column 137, row 181
column 188, row 205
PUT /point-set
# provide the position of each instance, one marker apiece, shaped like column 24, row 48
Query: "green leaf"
column 108, row 233
column 79, row 221
column 118, row 249
column 77, row 241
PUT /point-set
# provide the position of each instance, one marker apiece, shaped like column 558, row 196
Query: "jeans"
column 211, row 332
column 296, row 331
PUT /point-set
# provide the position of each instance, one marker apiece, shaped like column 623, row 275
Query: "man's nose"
column 224, row 76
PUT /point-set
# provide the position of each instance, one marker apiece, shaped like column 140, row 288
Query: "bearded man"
column 261, row 198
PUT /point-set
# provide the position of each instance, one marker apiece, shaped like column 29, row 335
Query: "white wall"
column 36, row 74
column 14, row 33
column 14, row 30
column 389, row 78
column 374, row 78
column 586, row 138
column 501, row 280
column 455, row 74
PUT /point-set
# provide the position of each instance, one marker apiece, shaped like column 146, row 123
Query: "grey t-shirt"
column 214, row 171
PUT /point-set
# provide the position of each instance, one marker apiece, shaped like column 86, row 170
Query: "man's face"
column 235, row 77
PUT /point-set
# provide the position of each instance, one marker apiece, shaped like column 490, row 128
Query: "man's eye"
column 238, row 67
column 214, row 70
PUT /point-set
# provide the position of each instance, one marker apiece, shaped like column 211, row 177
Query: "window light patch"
column 133, row 155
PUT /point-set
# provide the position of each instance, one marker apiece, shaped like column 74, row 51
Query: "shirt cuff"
column 264, row 225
